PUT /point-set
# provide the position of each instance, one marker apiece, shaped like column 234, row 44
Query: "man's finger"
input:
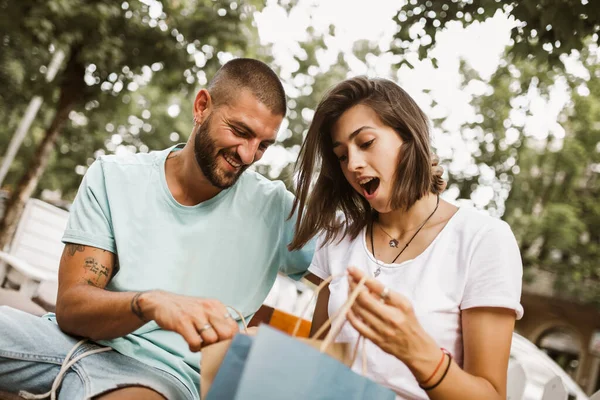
column 206, row 331
column 222, row 327
column 191, row 336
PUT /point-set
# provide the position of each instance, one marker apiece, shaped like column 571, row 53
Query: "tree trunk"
column 71, row 89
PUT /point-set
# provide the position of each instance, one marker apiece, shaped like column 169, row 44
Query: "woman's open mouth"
column 369, row 186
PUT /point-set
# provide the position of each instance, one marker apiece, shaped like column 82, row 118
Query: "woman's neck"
column 398, row 222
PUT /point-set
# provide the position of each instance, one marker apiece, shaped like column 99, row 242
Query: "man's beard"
column 206, row 157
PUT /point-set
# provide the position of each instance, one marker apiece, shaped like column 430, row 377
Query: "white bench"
column 515, row 381
column 31, row 263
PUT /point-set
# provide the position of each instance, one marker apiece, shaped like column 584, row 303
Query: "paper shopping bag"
column 213, row 357
column 227, row 374
column 278, row 366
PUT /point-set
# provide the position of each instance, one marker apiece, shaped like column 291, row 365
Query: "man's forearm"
column 96, row 313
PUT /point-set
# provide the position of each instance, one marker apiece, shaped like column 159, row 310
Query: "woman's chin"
column 380, row 205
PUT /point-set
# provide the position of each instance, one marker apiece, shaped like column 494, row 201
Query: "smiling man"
column 157, row 246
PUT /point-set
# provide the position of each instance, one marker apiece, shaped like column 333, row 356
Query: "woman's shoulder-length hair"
column 321, row 188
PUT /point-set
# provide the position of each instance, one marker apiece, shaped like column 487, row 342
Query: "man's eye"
column 368, row 144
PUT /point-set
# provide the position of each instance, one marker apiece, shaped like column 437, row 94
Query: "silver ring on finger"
column 385, row 293
column 205, row 328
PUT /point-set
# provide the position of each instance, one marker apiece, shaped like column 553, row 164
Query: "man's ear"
column 202, row 106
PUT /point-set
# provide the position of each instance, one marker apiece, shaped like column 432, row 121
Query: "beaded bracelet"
column 442, row 378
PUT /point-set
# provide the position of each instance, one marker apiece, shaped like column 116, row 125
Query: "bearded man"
column 157, row 245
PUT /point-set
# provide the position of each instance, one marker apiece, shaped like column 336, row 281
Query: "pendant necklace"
column 394, row 242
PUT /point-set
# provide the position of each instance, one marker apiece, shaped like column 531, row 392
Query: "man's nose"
column 247, row 151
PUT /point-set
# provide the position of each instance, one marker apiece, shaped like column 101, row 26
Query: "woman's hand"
column 388, row 320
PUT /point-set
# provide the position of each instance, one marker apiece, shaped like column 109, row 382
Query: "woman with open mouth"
column 444, row 283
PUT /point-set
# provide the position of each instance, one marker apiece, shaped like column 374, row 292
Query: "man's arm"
column 85, row 308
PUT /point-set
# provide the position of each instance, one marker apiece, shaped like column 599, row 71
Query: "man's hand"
column 199, row 321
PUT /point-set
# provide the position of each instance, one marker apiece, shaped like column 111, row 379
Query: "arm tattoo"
column 102, row 273
column 73, row 248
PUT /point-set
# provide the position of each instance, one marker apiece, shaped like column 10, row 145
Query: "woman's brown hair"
column 317, row 205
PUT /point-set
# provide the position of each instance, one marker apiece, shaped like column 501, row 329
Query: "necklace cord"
column 411, row 239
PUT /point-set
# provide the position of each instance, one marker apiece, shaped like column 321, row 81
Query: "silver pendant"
column 393, row 243
column 377, row 272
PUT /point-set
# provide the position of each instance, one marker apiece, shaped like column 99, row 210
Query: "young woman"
column 444, row 282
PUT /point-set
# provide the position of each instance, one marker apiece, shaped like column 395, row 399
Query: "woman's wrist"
column 426, row 363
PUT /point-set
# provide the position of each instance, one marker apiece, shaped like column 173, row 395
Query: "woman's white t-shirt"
column 473, row 262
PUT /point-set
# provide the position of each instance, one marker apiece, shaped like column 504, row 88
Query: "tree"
column 544, row 30
column 112, row 47
column 545, row 186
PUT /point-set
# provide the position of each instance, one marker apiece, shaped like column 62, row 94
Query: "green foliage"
column 544, row 29
column 135, row 57
column 545, row 187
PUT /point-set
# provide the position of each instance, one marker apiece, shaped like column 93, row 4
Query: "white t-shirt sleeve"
column 495, row 270
column 320, row 262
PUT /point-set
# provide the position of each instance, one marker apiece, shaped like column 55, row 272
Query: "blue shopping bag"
column 278, row 366
column 226, row 381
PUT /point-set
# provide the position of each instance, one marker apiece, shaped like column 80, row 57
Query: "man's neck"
column 185, row 179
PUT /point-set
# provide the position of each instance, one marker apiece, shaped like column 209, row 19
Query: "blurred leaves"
column 546, row 186
column 544, row 29
column 140, row 57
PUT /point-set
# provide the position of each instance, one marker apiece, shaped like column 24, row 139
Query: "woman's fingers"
column 378, row 291
column 363, row 328
column 374, row 321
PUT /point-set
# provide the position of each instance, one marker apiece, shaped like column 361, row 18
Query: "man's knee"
column 131, row 393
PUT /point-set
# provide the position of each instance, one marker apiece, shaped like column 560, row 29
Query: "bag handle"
column 241, row 318
column 337, row 320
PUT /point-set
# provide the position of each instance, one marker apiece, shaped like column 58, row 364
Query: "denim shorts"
column 33, row 349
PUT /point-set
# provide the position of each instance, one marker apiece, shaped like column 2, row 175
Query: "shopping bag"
column 214, row 356
column 274, row 365
column 229, row 370
column 279, row 366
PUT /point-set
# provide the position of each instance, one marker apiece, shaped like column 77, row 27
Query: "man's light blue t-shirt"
column 228, row 248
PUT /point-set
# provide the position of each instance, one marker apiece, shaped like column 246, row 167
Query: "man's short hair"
column 250, row 74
